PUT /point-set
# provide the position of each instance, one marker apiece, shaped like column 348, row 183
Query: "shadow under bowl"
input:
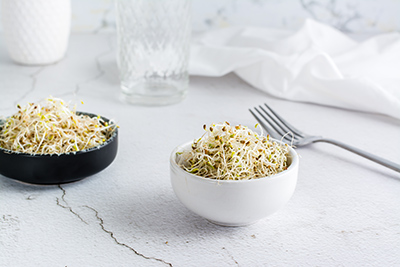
column 59, row 169
column 233, row 203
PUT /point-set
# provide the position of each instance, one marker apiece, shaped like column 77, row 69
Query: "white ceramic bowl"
column 233, row 203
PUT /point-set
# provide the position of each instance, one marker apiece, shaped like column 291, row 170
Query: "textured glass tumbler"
column 153, row 50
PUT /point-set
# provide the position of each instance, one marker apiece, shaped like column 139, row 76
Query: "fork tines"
column 275, row 125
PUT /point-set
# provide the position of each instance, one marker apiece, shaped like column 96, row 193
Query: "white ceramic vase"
column 36, row 31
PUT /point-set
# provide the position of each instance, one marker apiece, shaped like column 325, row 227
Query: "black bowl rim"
column 108, row 141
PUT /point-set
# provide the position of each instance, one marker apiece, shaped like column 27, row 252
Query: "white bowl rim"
column 291, row 168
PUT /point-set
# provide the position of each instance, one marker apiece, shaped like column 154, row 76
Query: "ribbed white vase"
column 36, row 31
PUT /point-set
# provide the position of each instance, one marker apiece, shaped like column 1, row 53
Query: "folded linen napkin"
column 317, row 64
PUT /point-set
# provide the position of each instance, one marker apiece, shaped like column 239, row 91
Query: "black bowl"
column 59, row 169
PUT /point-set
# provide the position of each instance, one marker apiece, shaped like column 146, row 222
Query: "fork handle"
column 374, row 158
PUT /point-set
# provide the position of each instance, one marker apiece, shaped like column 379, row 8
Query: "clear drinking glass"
column 153, row 50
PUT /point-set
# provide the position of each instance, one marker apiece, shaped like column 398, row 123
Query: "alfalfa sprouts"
column 228, row 152
column 50, row 127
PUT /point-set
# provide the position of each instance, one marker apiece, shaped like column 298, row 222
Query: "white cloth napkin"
column 317, row 64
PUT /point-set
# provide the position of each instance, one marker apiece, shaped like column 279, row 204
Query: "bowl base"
column 232, row 224
column 44, row 184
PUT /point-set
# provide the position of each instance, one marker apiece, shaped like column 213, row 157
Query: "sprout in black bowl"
column 59, row 168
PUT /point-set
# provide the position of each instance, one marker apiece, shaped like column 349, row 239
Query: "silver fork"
column 279, row 128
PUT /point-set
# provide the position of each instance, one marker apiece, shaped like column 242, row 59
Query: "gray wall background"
column 354, row 16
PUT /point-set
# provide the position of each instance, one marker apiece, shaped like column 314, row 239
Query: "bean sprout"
column 228, row 152
column 50, row 127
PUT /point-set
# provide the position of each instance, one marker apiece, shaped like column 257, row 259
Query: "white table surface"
column 345, row 210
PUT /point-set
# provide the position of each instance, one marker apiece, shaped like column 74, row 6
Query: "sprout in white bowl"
column 228, row 152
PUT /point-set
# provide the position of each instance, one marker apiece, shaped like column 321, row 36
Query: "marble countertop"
column 345, row 210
